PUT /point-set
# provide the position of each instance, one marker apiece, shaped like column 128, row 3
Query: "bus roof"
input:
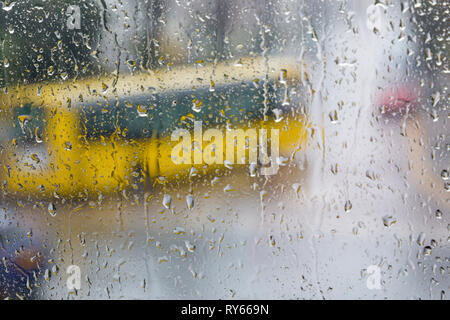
column 89, row 90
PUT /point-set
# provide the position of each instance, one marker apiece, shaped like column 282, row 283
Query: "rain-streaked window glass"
column 224, row 149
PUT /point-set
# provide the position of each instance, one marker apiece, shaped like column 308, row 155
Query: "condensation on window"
column 224, row 149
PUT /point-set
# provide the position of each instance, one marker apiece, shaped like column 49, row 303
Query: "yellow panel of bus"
column 110, row 133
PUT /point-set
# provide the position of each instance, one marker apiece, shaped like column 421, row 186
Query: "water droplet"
column 434, row 115
column 47, row 275
column 50, row 70
column 52, row 209
column 179, row 230
column 228, row 164
column 167, row 200
column 212, row 86
column 435, row 98
column 428, row 54
column 438, row 214
column 348, row 206
column 433, row 243
column 162, row 259
column 214, row 180
column 389, row 221
column 104, row 88
column 238, row 63
column 333, row 116
column 190, row 201
column 282, row 161
column 200, row 63
column 444, row 175
column 197, row 105
column 189, row 246
column 67, row 146
column 286, row 99
column 23, row 119
column 262, row 195
column 8, row 7
column 253, row 167
column 334, row 168
column 35, row 157
column 228, row 188
column 38, row 138
column 283, row 76
column 278, row 115
column 142, row 111
column 421, row 239
column 272, row 242
column 193, row 172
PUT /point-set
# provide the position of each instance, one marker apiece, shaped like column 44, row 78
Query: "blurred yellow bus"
column 105, row 134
